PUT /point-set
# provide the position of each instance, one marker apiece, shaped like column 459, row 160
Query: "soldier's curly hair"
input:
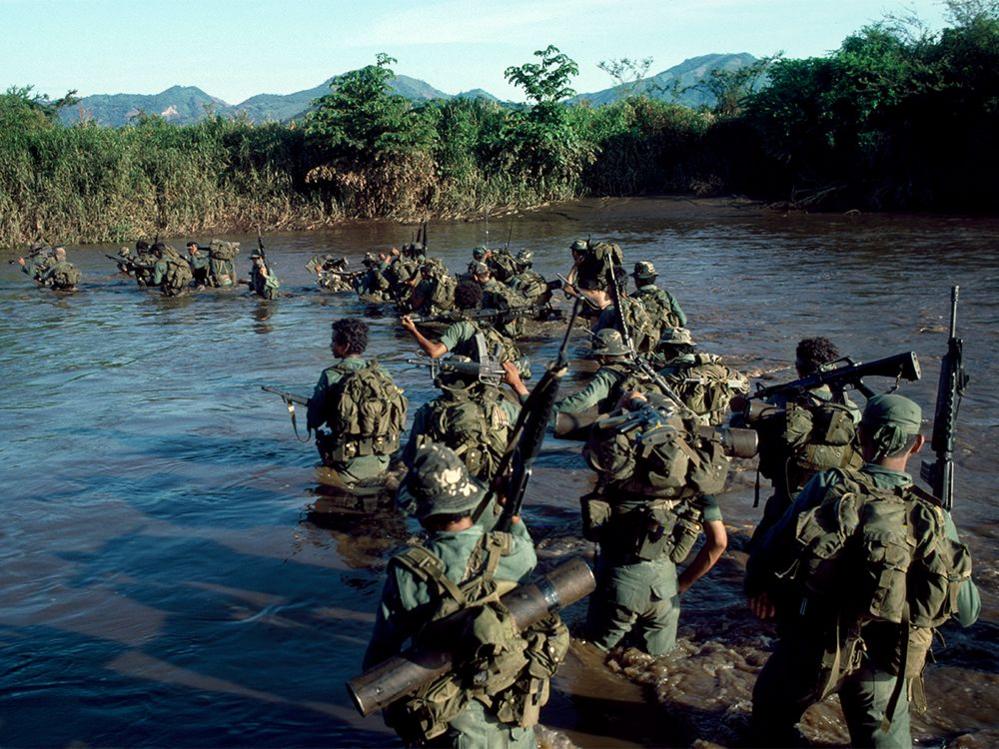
column 812, row 353
column 352, row 334
column 468, row 294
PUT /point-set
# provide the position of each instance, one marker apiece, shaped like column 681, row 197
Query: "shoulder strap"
column 426, row 566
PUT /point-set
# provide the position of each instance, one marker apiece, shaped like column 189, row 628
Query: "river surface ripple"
column 165, row 586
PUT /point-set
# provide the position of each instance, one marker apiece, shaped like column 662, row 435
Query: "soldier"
column 356, row 410
column 459, row 337
column 263, row 282
column 40, row 259
column 458, row 566
column 434, row 293
column 143, row 263
column 859, row 571
column 804, row 433
column 499, row 296
column 200, row 265
column 701, row 380
column 643, row 330
column 372, row 284
column 616, row 377
column 471, row 416
column 170, row 271
column 60, row 275
column 659, row 303
column 646, row 513
column 528, row 283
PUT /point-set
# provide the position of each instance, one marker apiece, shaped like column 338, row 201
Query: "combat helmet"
column 580, row 245
column 525, row 258
column 608, row 342
column 676, row 337
column 438, row 484
column 479, row 253
column 477, row 268
column 644, row 271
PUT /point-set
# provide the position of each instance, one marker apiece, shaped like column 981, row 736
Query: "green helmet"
column 580, row 245
column 608, row 342
column 479, row 253
column 644, row 270
column 438, row 484
column 525, row 257
column 478, row 269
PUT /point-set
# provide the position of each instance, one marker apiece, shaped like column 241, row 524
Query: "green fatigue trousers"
column 786, row 688
column 475, row 728
column 635, row 604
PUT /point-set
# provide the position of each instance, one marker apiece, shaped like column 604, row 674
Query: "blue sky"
column 234, row 49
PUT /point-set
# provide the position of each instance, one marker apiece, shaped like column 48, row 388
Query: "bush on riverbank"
column 897, row 118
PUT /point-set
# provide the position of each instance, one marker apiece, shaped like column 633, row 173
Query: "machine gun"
column 290, row 400
column 940, row 473
column 488, row 371
column 904, row 366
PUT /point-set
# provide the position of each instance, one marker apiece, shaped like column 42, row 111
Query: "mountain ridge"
column 183, row 105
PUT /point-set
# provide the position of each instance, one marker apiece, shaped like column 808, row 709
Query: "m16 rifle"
column 485, row 314
column 940, row 473
column 290, row 400
column 406, row 673
column 904, row 366
column 488, row 371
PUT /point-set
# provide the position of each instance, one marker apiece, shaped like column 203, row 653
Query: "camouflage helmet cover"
column 608, row 342
column 644, row 269
column 438, row 484
column 580, row 245
column 525, row 256
column 479, row 252
column 676, row 337
column 477, row 268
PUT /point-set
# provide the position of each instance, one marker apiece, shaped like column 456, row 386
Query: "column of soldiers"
column 857, row 623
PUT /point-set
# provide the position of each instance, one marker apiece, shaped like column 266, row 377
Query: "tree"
column 545, row 82
column 732, row 88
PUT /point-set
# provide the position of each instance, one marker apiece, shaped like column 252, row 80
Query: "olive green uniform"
column 175, row 283
column 358, row 468
column 38, row 265
column 200, row 268
column 638, row 600
column 496, row 295
column 598, row 391
column 786, row 685
column 265, row 287
column 407, row 602
column 60, row 276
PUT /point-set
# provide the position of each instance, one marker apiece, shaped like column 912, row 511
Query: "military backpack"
column 64, row 276
column 707, row 387
column 882, row 556
column 178, row 276
column 506, row 670
column 472, row 422
column 366, row 413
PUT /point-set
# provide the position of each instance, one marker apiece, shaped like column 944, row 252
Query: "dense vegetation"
column 897, row 118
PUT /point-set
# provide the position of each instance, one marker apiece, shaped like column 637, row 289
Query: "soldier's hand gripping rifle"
column 485, row 314
column 290, row 400
column 940, row 473
column 569, row 582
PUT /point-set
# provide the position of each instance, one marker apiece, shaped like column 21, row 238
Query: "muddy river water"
column 165, row 585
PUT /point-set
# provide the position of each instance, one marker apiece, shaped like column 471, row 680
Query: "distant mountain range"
column 184, row 105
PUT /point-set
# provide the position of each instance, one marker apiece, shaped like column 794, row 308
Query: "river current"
column 164, row 583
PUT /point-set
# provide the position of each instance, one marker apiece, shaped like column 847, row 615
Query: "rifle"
column 640, row 362
column 260, row 246
column 487, row 314
column 940, row 473
column 290, row 399
column 509, row 236
column 904, row 366
column 488, row 370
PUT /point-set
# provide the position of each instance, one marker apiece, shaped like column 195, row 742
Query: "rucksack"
column 65, row 276
column 804, row 438
column 656, row 454
column 707, row 387
column 178, row 276
column 880, row 555
column 531, row 285
column 222, row 250
column 501, row 347
column 504, row 669
column 657, row 303
column 366, row 414
column 472, row 422
column 442, row 293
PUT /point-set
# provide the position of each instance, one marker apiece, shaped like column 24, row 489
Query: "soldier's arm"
column 675, row 309
column 969, row 601
column 598, row 389
column 715, row 543
column 433, row 349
